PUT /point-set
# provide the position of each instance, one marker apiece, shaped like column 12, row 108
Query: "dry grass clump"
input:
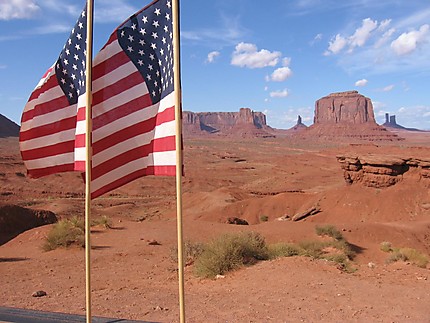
column 65, row 233
column 404, row 254
column 330, row 231
column 229, row 252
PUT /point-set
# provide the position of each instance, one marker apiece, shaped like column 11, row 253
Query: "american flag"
column 133, row 104
column 48, row 123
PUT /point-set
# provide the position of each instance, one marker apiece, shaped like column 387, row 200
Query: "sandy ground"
column 245, row 178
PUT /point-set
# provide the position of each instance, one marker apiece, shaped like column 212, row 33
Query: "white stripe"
column 45, row 162
column 50, row 117
column 119, row 99
column 80, row 154
column 133, row 118
column 158, row 159
column 164, row 130
column 114, row 76
column 40, row 142
column 110, row 50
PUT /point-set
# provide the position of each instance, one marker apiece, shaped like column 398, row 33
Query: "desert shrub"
column 385, row 246
column 65, row 233
column 313, row 249
column 192, row 250
column 229, row 252
column 281, row 249
column 264, row 218
column 329, row 230
column 103, row 221
column 409, row 254
column 343, row 246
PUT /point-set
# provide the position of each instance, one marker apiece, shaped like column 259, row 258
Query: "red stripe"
column 80, row 140
column 48, row 150
column 121, row 111
column 48, row 84
column 80, row 166
column 81, row 114
column 48, row 129
column 109, row 65
column 150, row 170
column 40, row 172
column 157, row 145
column 134, row 130
column 122, row 85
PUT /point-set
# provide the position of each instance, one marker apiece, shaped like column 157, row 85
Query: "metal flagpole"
column 88, row 147
column 178, row 119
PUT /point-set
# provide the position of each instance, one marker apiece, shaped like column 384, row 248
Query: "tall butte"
column 347, row 115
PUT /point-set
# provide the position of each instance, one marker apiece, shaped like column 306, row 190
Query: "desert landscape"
column 371, row 182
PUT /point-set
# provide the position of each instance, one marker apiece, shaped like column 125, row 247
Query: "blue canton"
column 147, row 39
column 70, row 66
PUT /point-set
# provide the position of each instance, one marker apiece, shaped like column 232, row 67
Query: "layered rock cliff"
column 245, row 123
column 383, row 171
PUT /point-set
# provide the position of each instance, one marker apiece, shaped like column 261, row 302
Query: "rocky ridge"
column 383, row 171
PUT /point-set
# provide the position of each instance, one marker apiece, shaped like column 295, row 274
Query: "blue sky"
column 277, row 57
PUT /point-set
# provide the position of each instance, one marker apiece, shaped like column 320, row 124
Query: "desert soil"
column 132, row 279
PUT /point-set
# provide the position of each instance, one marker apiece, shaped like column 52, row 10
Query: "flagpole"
column 178, row 119
column 88, row 146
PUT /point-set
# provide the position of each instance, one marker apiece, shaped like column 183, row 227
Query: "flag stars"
column 142, row 31
column 157, row 12
column 145, row 19
column 154, row 35
column 156, row 24
column 133, row 26
column 130, row 49
column 131, row 38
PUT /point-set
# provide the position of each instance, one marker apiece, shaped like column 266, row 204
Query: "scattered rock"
column 237, row 221
column 154, row 243
column 39, row 293
column 311, row 211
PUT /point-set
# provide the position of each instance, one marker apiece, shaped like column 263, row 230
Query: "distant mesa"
column 245, row 123
column 391, row 123
column 347, row 115
column 8, row 128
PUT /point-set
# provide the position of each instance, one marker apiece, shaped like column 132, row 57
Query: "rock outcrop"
column 8, row 128
column 245, row 123
column 391, row 123
column 299, row 126
column 347, row 116
column 15, row 219
column 383, row 171
column 344, row 108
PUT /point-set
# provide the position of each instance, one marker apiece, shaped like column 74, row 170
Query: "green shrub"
column 329, row 230
column 264, row 218
column 229, row 252
column 282, row 249
column 65, row 233
column 386, row 246
column 103, row 221
column 408, row 254
column 313, row 249
column 192, row 250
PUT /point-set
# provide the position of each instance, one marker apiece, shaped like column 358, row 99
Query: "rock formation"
column 347, row 116
column 344, row 108
column 382, row 170
column 299, row 125
column 390, row 122
column 8, row 128
column 245, row 123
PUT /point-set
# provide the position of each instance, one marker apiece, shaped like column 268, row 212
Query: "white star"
column 154, row 35
column 78, row 47
column 130, row 49
column 166, row 29
column 153, row 46
column 145, row 19
column 140, row 62
column 76, row 57
column 152, row 57
column 156, row 24
column 168, row 4
column 142, row 31
column 79, row 36
column 66, row 62
column 150, row 67
column 167, row 16
column 133, row 26
column 75, row 67
column 157, row 12
column 141, row 52
column 148, row 77
column 131, row 38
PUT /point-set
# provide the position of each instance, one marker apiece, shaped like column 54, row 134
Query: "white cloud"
column 408, row 42
column 362, row 34
column 212, row 55
column 384, row 25
column 385, row 38
column 279, row 94
column 286, row 61
column 281, row 74
column 388, row 88
column 336, row 44
column 362, row 82
column 247, row 55
column 18, row 9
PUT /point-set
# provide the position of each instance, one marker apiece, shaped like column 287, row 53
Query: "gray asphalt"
column 18, row 315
